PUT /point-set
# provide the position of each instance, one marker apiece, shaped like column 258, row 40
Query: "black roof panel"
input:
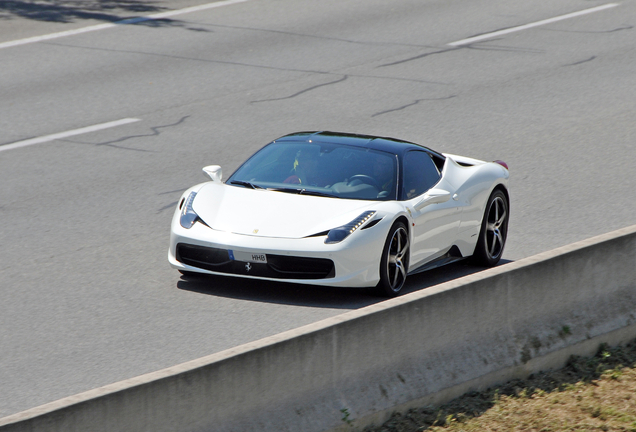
column 391, row 145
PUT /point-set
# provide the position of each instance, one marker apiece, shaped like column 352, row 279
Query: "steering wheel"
column 365, row 179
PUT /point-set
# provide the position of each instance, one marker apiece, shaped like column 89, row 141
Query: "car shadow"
column 315, row 295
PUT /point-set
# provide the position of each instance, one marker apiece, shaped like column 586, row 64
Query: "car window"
column 333, row 170
column 419, row 174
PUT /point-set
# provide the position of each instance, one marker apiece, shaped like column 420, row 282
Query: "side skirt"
column 450, row 256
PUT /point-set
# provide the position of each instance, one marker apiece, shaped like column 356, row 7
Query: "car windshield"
column 330, row 170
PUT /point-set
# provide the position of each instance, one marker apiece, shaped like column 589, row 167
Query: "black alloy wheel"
column 395, row 261
column 494, row 230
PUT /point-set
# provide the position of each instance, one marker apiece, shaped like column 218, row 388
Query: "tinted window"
column 420, row 174
column 334, row 170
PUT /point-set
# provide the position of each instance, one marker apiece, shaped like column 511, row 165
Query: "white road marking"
column 104, row 26
column 535, row 24
column 67, row 134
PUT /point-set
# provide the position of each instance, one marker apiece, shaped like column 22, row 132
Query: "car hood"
column 263, row 213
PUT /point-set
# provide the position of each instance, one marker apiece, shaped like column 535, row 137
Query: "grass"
column 590, row 394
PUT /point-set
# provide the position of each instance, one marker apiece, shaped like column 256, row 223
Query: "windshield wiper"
column 246, row 184
column 316, row 193
column 286, row 190
column 300, row 191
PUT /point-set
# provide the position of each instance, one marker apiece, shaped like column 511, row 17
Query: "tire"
column 394, row 263
column 494, row 230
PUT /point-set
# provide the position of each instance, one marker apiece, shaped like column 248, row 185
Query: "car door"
column 435, row 225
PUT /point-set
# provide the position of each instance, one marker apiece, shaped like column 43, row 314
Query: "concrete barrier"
column 425, row 347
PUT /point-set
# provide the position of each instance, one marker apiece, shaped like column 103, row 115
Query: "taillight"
column 502, row 163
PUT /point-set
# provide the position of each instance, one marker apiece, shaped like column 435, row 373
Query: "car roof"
column 391, row 145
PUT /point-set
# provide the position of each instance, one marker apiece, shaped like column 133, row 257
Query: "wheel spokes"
column 500, row 218
column 497, row 216
column 497, row 243
column 396, row 268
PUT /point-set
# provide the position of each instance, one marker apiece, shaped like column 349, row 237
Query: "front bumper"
column 275, row 267
column 354, row 262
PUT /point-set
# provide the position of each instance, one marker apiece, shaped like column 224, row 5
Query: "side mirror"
column 214, row 172
column 433, row 196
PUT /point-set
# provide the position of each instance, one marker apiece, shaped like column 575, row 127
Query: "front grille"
column 277, row 267
column 202, row 257
column 301, row 267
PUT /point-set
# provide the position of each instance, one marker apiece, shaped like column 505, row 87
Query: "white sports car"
column 340, row 209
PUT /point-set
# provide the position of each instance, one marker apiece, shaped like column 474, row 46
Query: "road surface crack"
column 304, row 91
column 411, row 104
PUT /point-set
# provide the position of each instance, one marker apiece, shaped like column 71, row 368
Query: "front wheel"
column 494, row 230
column 395, row 261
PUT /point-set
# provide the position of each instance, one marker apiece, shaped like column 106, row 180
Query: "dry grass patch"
column 590, row 394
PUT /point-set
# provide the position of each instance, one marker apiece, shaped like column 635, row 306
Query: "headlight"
column 337, row 235
column 188, row 215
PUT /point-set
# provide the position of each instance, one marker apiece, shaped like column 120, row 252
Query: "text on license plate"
column 248, row 257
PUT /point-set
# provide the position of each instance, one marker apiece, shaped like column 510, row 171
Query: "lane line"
column 67, row 134
column 534, row 24
column 104, row 26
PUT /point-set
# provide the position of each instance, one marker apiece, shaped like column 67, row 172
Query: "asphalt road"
column 86, row 295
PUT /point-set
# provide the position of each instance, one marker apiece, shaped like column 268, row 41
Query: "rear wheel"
column 395, row 261
column 494, row 230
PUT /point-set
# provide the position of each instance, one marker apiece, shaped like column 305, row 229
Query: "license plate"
column 248, row 257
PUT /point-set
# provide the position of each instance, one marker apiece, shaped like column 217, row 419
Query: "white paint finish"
column 105, row 26
column 236, row 211
column 271, row 222
column 274, row 214
column 531, row 25
column 67, row 134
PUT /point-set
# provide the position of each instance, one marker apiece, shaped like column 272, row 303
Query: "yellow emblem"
column 255, row 231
